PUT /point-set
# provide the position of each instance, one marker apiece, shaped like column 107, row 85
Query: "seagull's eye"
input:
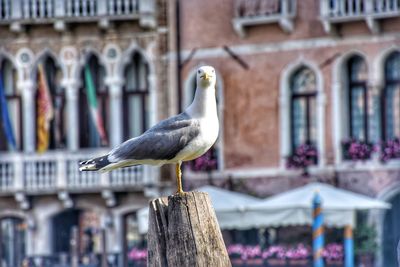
column 199, row 72
column 213, row 71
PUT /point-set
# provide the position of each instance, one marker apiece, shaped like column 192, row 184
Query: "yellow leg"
column 178, row 178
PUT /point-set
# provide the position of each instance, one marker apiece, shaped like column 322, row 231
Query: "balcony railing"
column 49, row 11
column 57, row 171
column 257, row 12
column 339, row 11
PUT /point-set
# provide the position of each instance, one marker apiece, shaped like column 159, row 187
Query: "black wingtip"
column 94, row 164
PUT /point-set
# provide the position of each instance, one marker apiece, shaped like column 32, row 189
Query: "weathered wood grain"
column 184, row 231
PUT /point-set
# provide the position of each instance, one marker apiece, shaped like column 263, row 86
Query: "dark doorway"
column 391, row 232
column 63, row 224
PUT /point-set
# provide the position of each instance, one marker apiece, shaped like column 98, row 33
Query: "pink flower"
column 137, row 254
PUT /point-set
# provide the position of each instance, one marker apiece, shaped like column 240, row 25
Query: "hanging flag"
column 5, row 117
column 45, row 111
column 94, row 109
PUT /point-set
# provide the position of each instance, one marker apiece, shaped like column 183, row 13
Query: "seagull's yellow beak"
column 205, row 76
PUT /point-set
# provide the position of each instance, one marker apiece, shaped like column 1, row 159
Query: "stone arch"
column 42, row 55
column 339, row 83
column 377, row 217
column 85, row 56
column 284, row 103
column 187, row 99
column 14, row 213
column 4, row 55
column 126, row 55
column 378, row 74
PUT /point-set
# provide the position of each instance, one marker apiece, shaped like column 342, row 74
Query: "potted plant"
column 365, row 244
column 302, row 157
column 205, row 163
column 138, row 256
column 333, row 254
column 275, row 256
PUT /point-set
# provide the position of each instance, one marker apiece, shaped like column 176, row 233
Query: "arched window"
column 52, row 76
column 12, row 238
column 135, row 97
column 391, row 98
column 303, row 115
column 13, row 98
column 93, row 119
column 358, row 99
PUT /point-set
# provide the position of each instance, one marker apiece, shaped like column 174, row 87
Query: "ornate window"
column 391, row 98
column 358, row 99
column 12, row 238
column 52, row 76
column 93, row 119
column 14, row 108
column 303, row 108
column 135, row 97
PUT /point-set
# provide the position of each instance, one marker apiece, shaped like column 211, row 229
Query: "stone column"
column 374, row 117
column 115, row 127
column 72, row 90
column 28, row 106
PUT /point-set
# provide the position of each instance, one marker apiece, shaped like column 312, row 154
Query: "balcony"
column 55, row 172
column 371, row 11
column 258, row 12
column 18, row 13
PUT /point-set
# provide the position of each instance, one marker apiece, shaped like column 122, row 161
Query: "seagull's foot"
column 179, row 179
column 179, row 192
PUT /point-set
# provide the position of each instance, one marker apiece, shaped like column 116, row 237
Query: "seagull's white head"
column 206, row 77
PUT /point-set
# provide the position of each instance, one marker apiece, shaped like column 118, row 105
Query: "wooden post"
column 183, row 231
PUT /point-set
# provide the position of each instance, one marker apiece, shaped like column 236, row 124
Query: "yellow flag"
column 45, row 111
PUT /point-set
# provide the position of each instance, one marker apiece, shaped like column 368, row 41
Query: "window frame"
column 103, row 101
column 307, row 96
column 55, row 95
column 15, row 96
column 351, row 85
column 129, row 92
column 388, row 82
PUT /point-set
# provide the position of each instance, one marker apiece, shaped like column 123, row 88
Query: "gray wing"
column 161, row 142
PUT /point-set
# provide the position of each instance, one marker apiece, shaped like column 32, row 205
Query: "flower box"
column 237, row 262
column 390, row 149
column 303, row 156
column 299, row 262
column 334, row 263
column 254, row 262
column 276, row 262
column 357, row 150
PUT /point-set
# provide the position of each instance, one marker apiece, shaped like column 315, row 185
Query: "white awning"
column 294, row 207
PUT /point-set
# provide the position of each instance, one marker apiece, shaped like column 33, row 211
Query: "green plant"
column 365, row 239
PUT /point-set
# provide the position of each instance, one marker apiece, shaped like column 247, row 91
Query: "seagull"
column 180, row 138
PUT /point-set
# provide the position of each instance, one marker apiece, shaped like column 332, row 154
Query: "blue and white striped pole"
column 348, row 247
column 318, row 231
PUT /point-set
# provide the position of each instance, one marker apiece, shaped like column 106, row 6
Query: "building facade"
column 301, row 83
column 45, row 201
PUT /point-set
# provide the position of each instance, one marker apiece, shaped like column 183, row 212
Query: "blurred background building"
column 307, row 91
column 78, row 77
